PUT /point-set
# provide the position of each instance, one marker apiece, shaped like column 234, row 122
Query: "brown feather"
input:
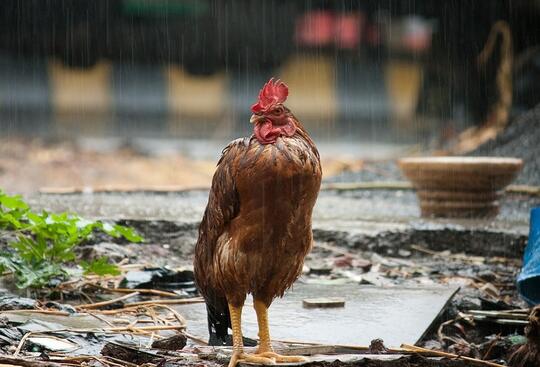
column 256, row 229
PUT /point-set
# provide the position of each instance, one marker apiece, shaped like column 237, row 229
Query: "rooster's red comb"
column 272, row 93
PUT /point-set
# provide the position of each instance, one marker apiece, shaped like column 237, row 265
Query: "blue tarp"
column 528, row 281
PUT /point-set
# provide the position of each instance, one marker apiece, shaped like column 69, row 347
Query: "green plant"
column 44, row 243
column 100, row 266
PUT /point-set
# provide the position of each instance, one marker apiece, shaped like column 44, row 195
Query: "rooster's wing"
column 223, row 206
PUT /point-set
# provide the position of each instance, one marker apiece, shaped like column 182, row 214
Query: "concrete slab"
column 397, row 315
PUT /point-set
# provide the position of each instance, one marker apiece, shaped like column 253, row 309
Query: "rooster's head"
column 270, row 117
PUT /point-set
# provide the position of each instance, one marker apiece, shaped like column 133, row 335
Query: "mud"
column 520, row 139
column 378, row 220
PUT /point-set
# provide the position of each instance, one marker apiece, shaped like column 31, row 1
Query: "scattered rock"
column 175, row 342
column 323, row 302
column 60, row 307
column 520, row 139
column 363, row 264
column 129, row 354
column 433, row 345
column 467, row 303
column 377, row 347
column 51, row 343
column 10, row 302
column 487, row 275
column 464, row 349
column 404, row 253
column 320, row 269
column 344, row 261
column 113, row 251
column 9, row 335
column 162, row 279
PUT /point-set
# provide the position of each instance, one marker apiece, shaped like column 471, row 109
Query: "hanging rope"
column 498, row 117
column 501, row 109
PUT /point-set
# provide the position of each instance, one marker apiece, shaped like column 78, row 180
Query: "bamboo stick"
column 421, row 350
column 142, row 291
column 106, row 303
column 181, row 301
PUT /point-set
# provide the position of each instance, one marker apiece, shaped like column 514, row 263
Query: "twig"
column 106, row 303
column 181, row 301
column 444, row 255
column 142, row 291
column 420, row 350
column 499, row 314
column 88, row 298
column 100, row 318
column 344, row 346
column 491, row 345
column 47, row 312
column 501, row 321
column 21, row 343
column 145, row 328
column 194, row 338
column 524, row 189
column 181, row 320
column 118, row 362
column 119, row 310
column 374, row 185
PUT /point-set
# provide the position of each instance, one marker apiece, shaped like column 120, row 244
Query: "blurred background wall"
column 379, row 70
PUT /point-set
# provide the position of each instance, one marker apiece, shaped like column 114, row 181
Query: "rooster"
column 256, row 229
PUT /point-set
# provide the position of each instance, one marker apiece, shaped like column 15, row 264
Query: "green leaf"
column 517, row 339
column 128, row 233
column 38, row 276
column 8, row 218
column 100, row 266
column 35, row 218
column 13, row 202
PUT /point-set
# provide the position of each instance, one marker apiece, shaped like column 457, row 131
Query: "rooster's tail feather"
column 219, row 321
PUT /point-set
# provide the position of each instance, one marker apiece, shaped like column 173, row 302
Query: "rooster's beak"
column 256, row 118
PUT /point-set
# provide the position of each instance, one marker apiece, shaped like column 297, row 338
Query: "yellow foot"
column 283, row 359
column 250, row 358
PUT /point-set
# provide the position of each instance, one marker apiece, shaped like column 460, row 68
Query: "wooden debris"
column 180, row 301
column 175, row 342
column 429, row 352
column 154, row 292
column 89, row 306
column 323, row 302
column 129, row 354
column 499, row 317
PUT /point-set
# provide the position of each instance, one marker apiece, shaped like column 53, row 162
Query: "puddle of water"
column 397, row 315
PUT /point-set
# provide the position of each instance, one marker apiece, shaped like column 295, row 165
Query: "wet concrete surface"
column 374, row 219
column 397, row 315
column 393, row 206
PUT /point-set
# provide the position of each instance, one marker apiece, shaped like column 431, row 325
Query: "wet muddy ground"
column 369, row 238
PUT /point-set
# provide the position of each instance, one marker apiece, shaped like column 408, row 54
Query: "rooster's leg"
column 238, row 342
column 265, row 346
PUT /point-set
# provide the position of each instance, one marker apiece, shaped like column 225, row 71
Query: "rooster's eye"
column 278, row 111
